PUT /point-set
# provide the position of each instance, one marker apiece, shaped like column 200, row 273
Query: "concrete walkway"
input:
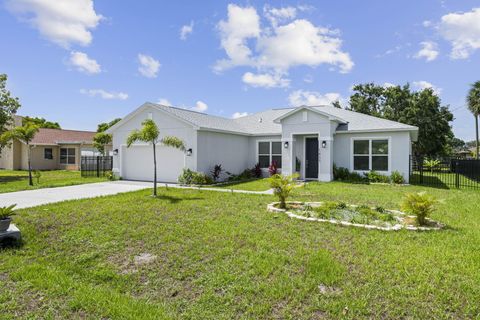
column 32, row 198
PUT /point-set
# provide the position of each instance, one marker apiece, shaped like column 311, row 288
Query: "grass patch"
column 223, row 256
column 254, row 185
column 17, row 180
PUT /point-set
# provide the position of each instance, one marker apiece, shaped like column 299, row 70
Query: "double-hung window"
column 370, row 154
column 67, row 155
column 268, row 152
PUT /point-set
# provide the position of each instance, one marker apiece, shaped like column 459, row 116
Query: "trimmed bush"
column 192, row 177
column 340, row 173
column 374, row 176
column 397, row 178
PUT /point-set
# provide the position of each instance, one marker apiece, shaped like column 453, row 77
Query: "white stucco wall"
column 168, row 126
column 399, row 150
column 229, row 150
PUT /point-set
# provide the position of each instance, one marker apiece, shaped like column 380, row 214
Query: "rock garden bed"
column 353, row 215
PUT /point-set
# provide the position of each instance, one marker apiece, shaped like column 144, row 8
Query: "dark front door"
column 311, row 158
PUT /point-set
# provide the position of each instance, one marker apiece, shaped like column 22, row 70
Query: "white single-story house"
column 307, row 140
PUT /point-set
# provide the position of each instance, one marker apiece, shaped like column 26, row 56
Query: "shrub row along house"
column 51, row 149
column 307, row 140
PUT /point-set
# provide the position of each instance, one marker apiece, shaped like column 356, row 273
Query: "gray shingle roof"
column 262, row 123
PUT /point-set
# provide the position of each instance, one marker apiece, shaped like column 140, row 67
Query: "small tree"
column 100, row 140
column 419, row 204
column 8, row 107
column 282, row 186
column 149, row 133
column 25, row 134
column 431, row 164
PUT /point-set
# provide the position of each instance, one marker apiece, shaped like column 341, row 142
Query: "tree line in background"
column 417, row 108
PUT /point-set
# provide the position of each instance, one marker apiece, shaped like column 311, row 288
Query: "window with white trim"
column 269, row 151
column 67, row 155
column 370, row 154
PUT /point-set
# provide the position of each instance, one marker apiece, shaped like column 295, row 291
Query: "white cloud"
column 83, row 63
column 429, row 51
column 462, row 30
column 242, row 24
column 265, row 80
column 275, row 49
column 237, row 115
column 427, row 23
column 200, row 107
column 62, row 22
column 186, row 30
column 312, row 98
column 164, row 102
column 422, row 85
column 148, row 66
column 275, row 15
column 105, row 94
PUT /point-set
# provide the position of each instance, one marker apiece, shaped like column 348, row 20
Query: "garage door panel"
column 137, row 163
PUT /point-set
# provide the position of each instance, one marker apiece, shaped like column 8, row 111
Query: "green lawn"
column 223, row 256
column 254, row 185
column 17, row 180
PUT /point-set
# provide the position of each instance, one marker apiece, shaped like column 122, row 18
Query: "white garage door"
column 137, row 163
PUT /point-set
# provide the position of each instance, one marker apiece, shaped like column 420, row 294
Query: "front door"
column 311, row 158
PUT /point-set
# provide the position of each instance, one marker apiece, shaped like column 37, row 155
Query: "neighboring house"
column 52, row 149
column 304, row 139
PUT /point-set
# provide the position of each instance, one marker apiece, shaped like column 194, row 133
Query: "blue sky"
column 84, row 62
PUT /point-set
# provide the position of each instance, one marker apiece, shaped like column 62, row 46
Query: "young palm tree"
column 25, row 134
column 473, row 101
column 149, row 133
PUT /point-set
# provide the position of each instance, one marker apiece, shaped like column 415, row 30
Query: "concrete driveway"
column 32, row 198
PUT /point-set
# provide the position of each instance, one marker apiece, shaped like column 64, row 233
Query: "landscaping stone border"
column 271, row 207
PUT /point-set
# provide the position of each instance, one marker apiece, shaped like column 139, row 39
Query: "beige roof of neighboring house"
column 60, row 136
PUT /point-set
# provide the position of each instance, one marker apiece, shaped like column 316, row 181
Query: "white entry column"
column 325, row 159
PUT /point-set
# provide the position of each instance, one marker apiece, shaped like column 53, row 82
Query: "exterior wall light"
column 115, row 152
column 189, row 152
column 324, row 144
column 285, row 144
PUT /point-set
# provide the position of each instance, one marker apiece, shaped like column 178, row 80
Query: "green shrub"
column 341, row 205
column 244, row 175
column 431, row 164
column 420, row 204
column 6, row 212
column 282, row 186
column 110, row 176
column 37, row 174
column 340, row 173
column 189, row 177
column 343, row 174
column 397, row 178
column 374, row 176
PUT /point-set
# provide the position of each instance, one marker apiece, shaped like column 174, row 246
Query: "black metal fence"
column 445, row 173
column 96, row 166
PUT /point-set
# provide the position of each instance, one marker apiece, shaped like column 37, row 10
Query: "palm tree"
column 473, row 101
column 149, row 133
column 25, row 134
